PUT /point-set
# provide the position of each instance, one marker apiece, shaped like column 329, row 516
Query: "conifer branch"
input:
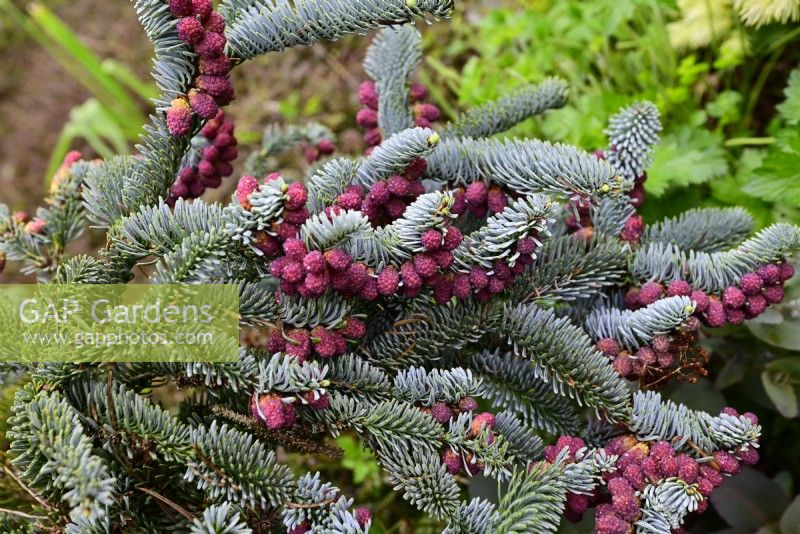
column 266, row 26
column 525, row 166
column 702, row 229
column 713, row 272
column 564, row 356
column 507, row 111
column 391, row 60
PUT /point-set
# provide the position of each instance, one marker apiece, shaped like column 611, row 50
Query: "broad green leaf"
column 771, row 316
column 780, row 326
column 790, row 520
column 790, row 109
column 731, row 373
column 591, row 112
column 688, row 156
column 699, row 396
column 749, row 500
column 785, row 334
column 728, row 190
column 357, row 459
column 777, row 178
column 789, row 368
column 727, row 107
column 781, row 394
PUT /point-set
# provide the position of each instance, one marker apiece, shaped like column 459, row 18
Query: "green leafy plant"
column 704, row 68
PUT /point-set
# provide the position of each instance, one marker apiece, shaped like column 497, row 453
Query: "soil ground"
column 37, row 93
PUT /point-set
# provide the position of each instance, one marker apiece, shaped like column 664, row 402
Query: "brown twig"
column 178, row 508
column 311, row 505
column 293, row 440
column 695, row 447
column 224, row 479
column 24, row 486
column 22, row 514
column 112, row 411
column 404, row 322
column 664, row 377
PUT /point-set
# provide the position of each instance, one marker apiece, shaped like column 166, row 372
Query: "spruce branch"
column 232, row 465
column 424, row 481
column 633, row 329
column 103, row 191
column 133, row 422
column 220, row 519
column 523, row 444
column 161, row 156
column 507, row 111
column 508, row 313
column 391, row 60
column 528, row 216
column 234, row 377
column 565, row 356
column 64, row 214
column 416, row 385
column 196, row 254
column 82, row 270
column 654, row 419
column 702, row 229
column 388, row 426
column 475, row 517
column 265, row 26
column 321, row 505
column 713, row 272
column 491, row 449
column 426, row 331
column 536, row 494
column 428, row 211
column 358, row 378
column 632, row 134
column 293, row 439
column 610, row 215
column 264, row 208
column 350, row 230
column 17, row 244
column 525, row 166
column 513, row 383
column 329, row 181
column 568, row 269
column 284, row 374
column 276, row 140
column 173, row 68
column 258, row 304
column 159, row 230
column 51, row 450
column 325, row 311
column 534, row 499
column 396, row 153
column 666, row 505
